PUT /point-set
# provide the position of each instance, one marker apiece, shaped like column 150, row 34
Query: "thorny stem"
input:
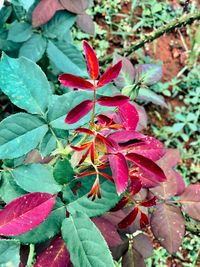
column 183, row 20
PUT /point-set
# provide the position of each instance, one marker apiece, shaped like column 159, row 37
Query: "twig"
column 185, row 19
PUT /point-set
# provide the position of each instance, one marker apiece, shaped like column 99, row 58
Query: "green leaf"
column 19, row 32
column 49, row 228
column 5, row 13
column 25, row 84
column 34, row 48
column 67, row 58
column 19, row 134
column 6, row 45
column 36, row 178
column 59, row 25
column 80, row 201
column 47, row 145
column 9, row 190
column 25, row 3
column 149, row 96
column 85, row 243
column 9, row 253
column 63, row 171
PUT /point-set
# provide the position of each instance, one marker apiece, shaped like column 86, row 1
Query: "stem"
column 93, row 111
column 31, row 256
column 183, row 20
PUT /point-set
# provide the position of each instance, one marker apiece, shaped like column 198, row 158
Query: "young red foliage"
column 92, row 61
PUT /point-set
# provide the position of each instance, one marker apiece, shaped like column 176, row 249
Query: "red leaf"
column 92, row 61
column 119, row 169
column 112, row 101
column 154, row 172
column 128, row 116
column 85, row 23
column 143, row 245
column 44, row 11
column 110, row 74
column 168, row 226
column 56, row 255
column 190, row 200
column 144, row 221
column 76, row 7
column 79, row 111
column 135, row 185
column 129, row 219
column 73, row 81
column 149, row 203
column 25, row 213
column 84, row 130
column 121, row 204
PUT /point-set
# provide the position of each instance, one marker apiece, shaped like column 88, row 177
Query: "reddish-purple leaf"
column 143, row 245
column 168, row 226
column 55, row 255
column 76, row 7
column 85, row 23
column 150, row 73
column 109, row 231
column 44, row 11
column 25, row 213
column 92, row 61
column 142, row 124
column 113, row 101
column 190, row 200
column 174, row 185
column 79, row 111
column 153, row 171
column 132, row 258
column 119, row 169
column 128, row 116
column 73, row 81
column 110, row 74
column 144, row 221
column 129, row 219
column 121, row 204
column 127, row 74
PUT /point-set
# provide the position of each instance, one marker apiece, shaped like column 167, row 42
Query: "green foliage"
column 84, row 242
column 16, row 132
column 30, row 92
column 36, row 178
column 9, row 253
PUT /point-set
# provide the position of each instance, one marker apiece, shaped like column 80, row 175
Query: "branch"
column 184, row 20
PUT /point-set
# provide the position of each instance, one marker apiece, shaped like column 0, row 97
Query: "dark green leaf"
column 34, row 48
column 47, row 145
column 19, row 32
column 9, row 190
column 9, row 253
column 59, row 25
column 63, row 171
column 19, row 134
column 25, row 84
column 36, row 178
column 80, row 201
column 85, row 243
column 5, row 13
column 67, row 58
